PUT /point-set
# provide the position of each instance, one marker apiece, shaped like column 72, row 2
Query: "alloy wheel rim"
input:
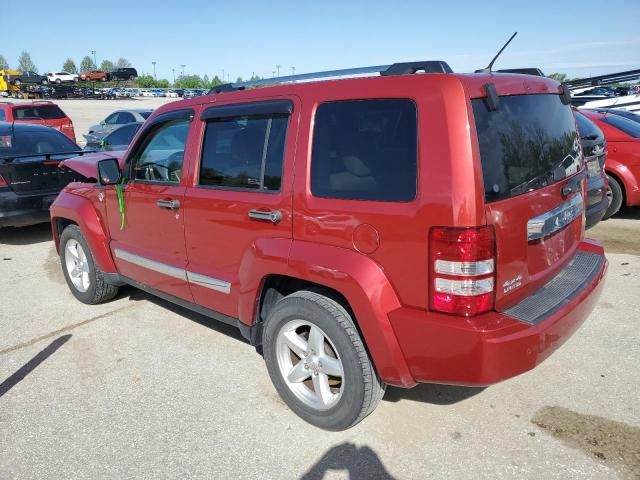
column 77, row 265
column 310, row 364
column 609, row 195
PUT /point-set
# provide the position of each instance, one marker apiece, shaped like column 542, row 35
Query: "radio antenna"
column 488, row 67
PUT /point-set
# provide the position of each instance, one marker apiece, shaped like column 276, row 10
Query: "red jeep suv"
column 394, row 229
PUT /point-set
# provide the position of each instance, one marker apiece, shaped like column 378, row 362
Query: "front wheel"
column 615, row 196
column 318, row 363
column 84, row 278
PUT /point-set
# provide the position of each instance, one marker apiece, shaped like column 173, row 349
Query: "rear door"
column 241, row 198
column 534, row 188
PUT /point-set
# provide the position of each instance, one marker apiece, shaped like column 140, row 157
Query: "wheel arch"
column 353, row 280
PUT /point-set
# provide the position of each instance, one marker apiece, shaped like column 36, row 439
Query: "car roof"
column 8, row 127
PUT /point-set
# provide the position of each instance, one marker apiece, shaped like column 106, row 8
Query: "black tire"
column 17, row 82
column 99, row 291
column 362, row 388
column 58, row 81
column 614, row 190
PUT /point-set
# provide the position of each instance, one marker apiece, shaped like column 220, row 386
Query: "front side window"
column 159, row 158
column 244, row 152
column 365, row 150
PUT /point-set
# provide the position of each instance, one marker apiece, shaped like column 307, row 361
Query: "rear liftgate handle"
column 273, row 216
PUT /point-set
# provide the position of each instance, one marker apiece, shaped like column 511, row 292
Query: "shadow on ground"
column 136, row 294
column 26, row 235
column 432, row 393
column 628, row 213
column 362, row 463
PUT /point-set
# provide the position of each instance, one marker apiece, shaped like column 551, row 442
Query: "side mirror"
column 109, row 171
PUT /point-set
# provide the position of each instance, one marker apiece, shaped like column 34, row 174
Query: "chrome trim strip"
column 209, row 282
column 151, row 264
column 556, row 219
column 191, row 277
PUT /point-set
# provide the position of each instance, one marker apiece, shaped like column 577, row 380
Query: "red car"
column 40, row 112
column 623, row 161
column 361, row 232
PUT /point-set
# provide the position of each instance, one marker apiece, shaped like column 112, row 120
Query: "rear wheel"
column 83, row 276
column 17, row 82
column 615, row 196
column 58, row 81
column 318, row 363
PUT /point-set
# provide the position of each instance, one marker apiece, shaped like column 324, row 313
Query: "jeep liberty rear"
column 367, row 231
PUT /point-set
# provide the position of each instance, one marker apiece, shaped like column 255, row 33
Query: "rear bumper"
column 490, row 348
column 18, row 211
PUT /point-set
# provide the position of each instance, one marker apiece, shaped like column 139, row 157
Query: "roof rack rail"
column 524, row 71
column 406, row 68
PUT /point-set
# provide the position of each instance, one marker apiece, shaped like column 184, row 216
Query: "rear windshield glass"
column 49, row 112
column 586, row 128
column 36, row 142
column 528, row 142
column 629, row 127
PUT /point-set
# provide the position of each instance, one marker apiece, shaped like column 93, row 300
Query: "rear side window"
column 145, row 115
column 365, row 150
column 49, row 112
column 244, row 152
column 528, row 142
column 123, row 135
column 586, row 128
column 628, row 126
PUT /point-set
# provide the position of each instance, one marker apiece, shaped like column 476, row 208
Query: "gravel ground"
column 138, row 388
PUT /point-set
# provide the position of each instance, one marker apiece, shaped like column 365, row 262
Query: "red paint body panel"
column 86, row 165
column 492, row 347
column 623, row 158
column 64, row 125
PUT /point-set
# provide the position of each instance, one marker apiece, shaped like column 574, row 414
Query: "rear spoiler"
column 47, row 156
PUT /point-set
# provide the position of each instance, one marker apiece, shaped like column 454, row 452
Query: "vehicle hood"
column 85, row 165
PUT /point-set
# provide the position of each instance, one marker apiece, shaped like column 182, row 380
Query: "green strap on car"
column 120, row 195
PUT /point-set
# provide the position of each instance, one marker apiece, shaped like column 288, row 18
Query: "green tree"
column 145, row 81
column 107, row 65
column 69, row 66
column 87, row 64
column 25, row 64
column 239, row 80
column 123, row 63
column 206, row 82
column 255, row 77
column 215, row 81
column 190, row 81
column 4, row 65
column 162, row 83
column 561, row 77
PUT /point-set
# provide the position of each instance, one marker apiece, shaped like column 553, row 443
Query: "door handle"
column 168, row 204
column 273, row 216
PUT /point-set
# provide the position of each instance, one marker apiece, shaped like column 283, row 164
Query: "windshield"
column 528, row 142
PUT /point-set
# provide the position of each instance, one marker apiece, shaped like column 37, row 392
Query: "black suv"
column 594, row 149
column 126, row 73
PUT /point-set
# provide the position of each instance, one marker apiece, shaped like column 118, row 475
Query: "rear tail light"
column 3, row 183
column 462, row 270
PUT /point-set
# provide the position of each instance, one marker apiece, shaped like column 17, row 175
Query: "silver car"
column 115, row 120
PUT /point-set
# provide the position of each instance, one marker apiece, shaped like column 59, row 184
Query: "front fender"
column 81, row 211
column 357, row 277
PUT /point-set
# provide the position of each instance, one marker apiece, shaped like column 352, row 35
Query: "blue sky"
column 580, row 38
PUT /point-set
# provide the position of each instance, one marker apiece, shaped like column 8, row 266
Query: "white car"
column 60, row 77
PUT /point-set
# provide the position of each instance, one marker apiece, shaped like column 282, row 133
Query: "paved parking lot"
column 138, row 388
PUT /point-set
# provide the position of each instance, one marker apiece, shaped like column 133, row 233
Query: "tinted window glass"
column 38, row 113
column 586, row 128
column 244, row 152
column 365, row 150
column 145, row 115
column 629, row 127
column 125, row 117
column 528, row 142
column 34, row 142
column 160, row 157
column 3, row 116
